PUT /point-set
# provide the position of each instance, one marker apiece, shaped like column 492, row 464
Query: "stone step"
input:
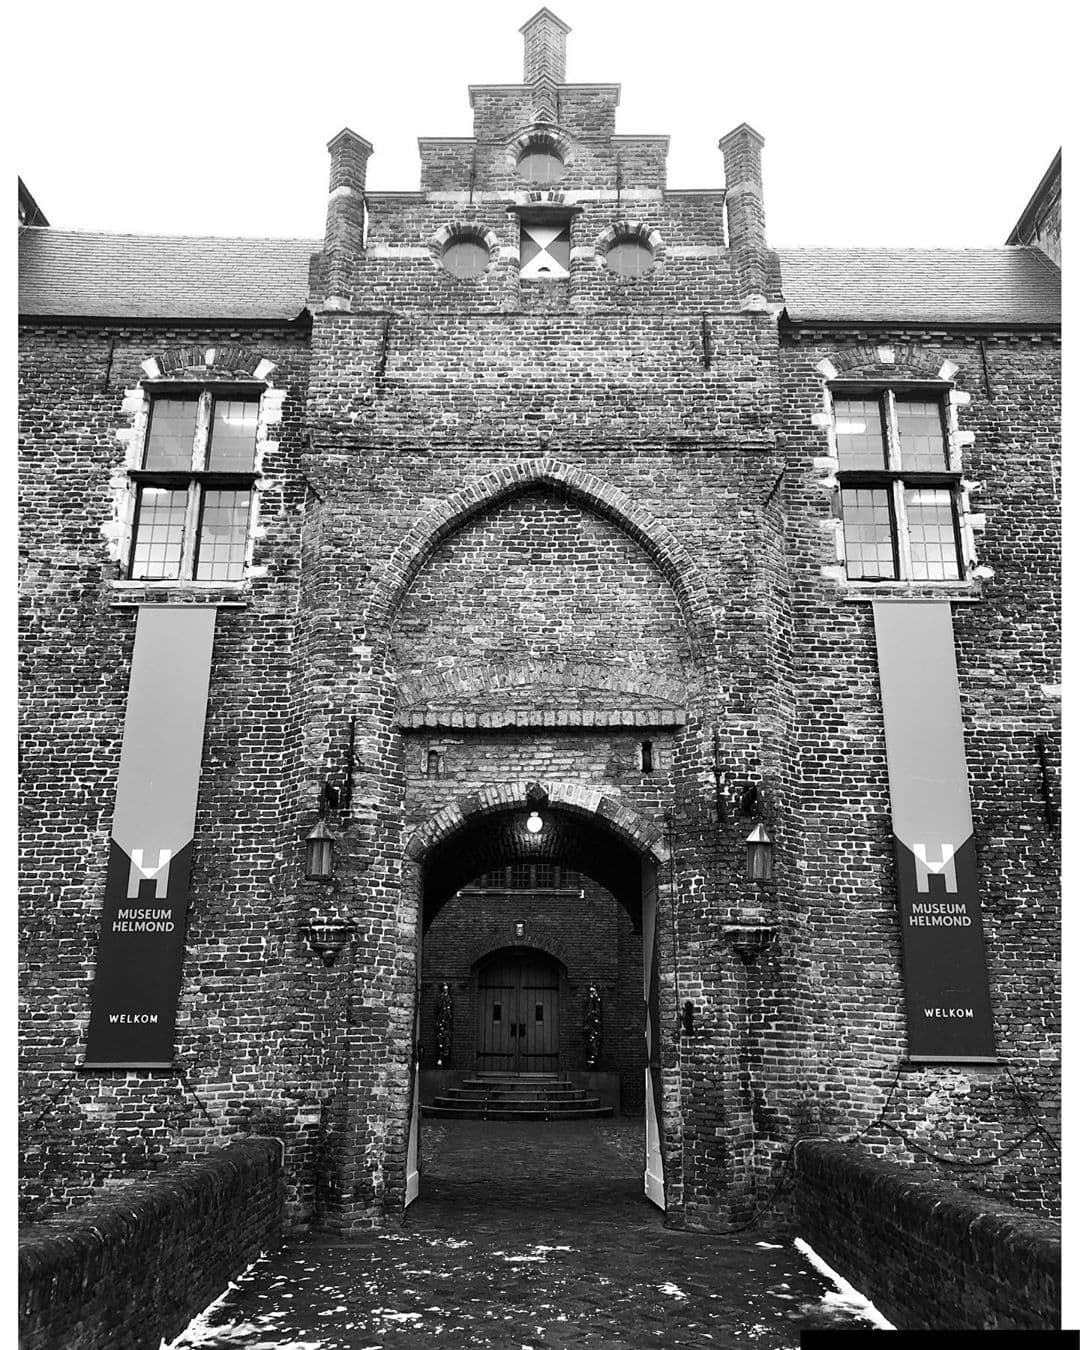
column 524, row 1073
column 555, row 1103
column 508, row 1099
column 457, row 1112
column 514, row 1090
column 524, row 1080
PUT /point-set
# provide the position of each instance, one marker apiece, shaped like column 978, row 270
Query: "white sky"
column 927, row 123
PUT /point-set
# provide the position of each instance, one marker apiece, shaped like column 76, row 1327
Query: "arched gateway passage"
column 554, row 824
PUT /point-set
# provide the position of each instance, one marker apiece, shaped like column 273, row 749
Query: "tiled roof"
column 68, row 273
column 909, row 285
column 153, row 276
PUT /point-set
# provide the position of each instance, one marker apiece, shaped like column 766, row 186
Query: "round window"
column 629, row 258
column 465, row 258
column 540, row 165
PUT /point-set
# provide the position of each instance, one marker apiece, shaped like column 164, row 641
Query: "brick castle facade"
column 545, row 490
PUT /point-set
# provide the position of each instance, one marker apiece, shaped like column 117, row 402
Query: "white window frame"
column 897, row 479
column 198, row 480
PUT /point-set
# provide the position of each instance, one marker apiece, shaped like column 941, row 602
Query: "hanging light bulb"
column 535, row 823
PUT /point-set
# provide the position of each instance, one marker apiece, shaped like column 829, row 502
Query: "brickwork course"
column 508, row 530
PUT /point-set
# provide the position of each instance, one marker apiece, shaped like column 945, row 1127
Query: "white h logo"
column 159, row 873
column 944, row 866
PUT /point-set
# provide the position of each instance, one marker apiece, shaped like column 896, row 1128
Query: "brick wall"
column 135, row 1264
column 77, row 627
column 842, row 979
column 928, row 1255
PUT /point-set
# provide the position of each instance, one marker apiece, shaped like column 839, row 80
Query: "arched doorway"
column 518, row 1007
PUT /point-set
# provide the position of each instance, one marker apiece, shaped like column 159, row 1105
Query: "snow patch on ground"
column 672, row 1290
column 848, row 1300
column 389, row 1315
column 774, row 1246
column 539, row 1252
column 249, row 1335
column 197, row 1331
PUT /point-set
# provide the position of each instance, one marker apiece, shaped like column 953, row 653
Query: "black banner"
column 141, row 947
column 948, row 1000
column 140, row 957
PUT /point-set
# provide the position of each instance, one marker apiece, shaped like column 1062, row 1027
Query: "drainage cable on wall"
column 879, row 1122
column 187, row 1084
column 51, row 1103
column 1026, row 1102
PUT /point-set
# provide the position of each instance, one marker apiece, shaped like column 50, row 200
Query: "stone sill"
column 131, row 594
column 962, row 591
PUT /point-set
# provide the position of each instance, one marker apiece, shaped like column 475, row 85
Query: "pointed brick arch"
column 577, row 485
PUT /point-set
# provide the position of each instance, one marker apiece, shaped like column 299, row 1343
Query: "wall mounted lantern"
column 759, row 854
column 319, row 852
column 319, row 845
column 535, row 822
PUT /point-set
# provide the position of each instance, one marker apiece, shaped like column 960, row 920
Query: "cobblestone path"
column 526, row 1236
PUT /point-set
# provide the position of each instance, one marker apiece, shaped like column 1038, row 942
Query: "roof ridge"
column 878, row 249
column 1044, row 258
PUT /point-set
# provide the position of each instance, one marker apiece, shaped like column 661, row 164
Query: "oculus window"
column 629, row 258
column 466, row 258
column 545, row 249
column 898, row 486
column 194, row 487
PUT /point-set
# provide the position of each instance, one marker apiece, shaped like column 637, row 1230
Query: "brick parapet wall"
column 927, row 1255
column 135, row 1264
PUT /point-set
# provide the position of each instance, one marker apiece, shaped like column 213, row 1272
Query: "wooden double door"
column 517, row 1015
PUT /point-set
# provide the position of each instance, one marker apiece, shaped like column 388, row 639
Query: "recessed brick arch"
column 551, row 947
column 630, row 827
column 225, row 361
column 893, row 358
column 576, row 484
column 540, row 136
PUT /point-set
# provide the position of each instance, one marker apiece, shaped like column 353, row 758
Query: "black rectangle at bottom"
column 859, row 1339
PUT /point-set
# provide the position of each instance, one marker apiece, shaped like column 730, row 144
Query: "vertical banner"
column 947, row 992
column 141, row 948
